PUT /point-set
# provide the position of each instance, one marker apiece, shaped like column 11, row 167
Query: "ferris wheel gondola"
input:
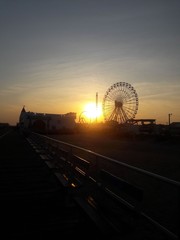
column 120, row 103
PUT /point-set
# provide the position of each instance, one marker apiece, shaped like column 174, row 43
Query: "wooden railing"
column 92, row 178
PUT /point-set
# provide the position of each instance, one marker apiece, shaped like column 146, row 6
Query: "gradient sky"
column 56, row 54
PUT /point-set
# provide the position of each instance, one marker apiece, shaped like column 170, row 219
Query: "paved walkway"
column 33, row 203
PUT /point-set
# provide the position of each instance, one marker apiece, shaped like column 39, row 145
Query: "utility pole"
column 169, row 118
column 96, row 106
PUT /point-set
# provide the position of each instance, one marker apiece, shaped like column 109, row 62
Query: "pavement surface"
column 33, row 203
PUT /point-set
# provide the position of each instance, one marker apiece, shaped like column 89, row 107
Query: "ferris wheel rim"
column 120, row 102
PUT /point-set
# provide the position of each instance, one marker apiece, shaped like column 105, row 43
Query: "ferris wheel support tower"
column 120, row 103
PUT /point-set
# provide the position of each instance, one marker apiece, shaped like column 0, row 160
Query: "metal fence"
column 161, row 202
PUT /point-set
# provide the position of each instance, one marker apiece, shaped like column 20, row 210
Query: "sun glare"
column 92, row 111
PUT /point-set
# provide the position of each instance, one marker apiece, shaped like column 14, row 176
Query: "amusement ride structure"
column 120, row 103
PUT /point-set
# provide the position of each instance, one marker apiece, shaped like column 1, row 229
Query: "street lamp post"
column 96, row 105
column 169, row 118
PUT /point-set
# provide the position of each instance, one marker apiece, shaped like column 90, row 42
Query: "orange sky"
column 55, row 55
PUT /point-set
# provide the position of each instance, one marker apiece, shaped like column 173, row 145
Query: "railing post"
column 70, row 156
column 178, row 217
column 98, row 162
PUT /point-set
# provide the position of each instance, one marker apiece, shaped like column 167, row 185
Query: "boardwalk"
column 160, row 156
column 33, row 204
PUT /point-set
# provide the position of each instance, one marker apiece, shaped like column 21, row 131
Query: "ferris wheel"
column 120, row 103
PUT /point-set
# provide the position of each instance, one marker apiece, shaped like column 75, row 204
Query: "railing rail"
column 155, row 185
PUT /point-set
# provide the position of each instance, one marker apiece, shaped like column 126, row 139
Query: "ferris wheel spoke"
column 124, row 115
column 129, row 112
column 120, row 102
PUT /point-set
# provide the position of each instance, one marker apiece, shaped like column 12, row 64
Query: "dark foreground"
column 155, row 154
column 35, row 206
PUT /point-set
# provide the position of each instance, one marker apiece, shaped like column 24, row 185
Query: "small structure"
column 144, row 125
column 4, row 125
column 142, row 121
column 47, row 123
column 174, row 128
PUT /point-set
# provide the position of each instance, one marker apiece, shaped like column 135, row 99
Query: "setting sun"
column 92, row 112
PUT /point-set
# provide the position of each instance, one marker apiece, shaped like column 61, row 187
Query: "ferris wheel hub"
column 120, row 103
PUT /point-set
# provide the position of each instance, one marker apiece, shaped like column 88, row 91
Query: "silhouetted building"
column 45, row 122
column 147, row 126
column 174, row 128
column 3, row 125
